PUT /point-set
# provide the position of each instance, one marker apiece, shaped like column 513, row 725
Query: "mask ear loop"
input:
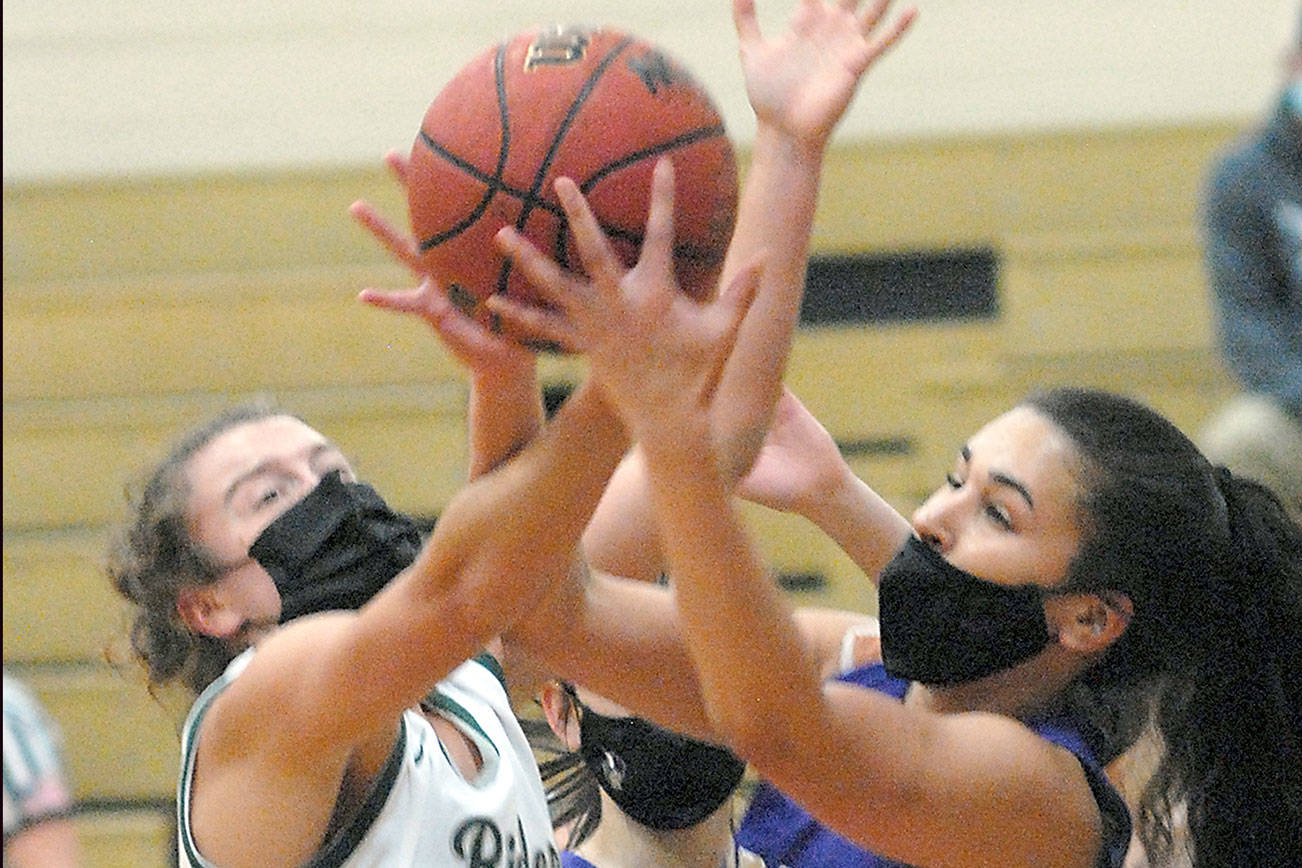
column 575, row 704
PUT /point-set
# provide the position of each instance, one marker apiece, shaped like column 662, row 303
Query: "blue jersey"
column 784, row 834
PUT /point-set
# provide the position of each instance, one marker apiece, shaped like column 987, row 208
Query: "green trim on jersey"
column 442, row 702
column 491, row 663
column 345, row 841
column 342, row 843
column 190, row 739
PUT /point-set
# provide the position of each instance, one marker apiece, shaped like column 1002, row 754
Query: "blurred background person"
column 1252, row 219
column 38, row 803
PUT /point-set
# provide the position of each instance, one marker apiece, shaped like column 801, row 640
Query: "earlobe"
column 1092, row 622
column 559, row 710
column 202, row 610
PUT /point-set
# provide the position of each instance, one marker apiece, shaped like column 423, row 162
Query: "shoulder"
column 283, row 694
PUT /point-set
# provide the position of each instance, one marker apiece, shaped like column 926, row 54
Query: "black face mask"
column 335, row 548
column 661, row 779
column 941, row 625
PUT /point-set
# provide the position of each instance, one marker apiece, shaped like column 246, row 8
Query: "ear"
column 1089, row 623
column 203, row 609
column 558, row 707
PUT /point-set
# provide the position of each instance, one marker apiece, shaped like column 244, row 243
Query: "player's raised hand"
column 803, row 80
column 653, row 349
column 464, row 327
column 401, row 245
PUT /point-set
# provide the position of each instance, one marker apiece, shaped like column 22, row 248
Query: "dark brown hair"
column 1213, row 566
column 153, row 556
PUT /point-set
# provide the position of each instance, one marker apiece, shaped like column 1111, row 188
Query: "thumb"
column 736, row 298
column 732, row 305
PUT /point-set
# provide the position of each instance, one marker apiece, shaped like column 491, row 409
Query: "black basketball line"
column 579, row 99
column 690, row 137
column 616, row 232
column 496, row 183
column 490, row 185
column 684, row 250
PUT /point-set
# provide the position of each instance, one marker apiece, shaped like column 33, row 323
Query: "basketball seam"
column 690, row 137
column 558, row 246
column 491, row 185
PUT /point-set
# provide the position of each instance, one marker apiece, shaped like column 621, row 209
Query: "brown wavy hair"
column 153, row 556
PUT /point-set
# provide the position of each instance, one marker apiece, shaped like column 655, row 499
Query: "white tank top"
column 421, row 811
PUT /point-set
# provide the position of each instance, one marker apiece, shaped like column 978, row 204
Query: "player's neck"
column 618, row 842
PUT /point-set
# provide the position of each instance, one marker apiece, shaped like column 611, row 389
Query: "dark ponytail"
column 1212, row 658
column 1231, row 723
column 573, row 794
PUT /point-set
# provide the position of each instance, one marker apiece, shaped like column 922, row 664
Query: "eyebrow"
column 313, row 453
column 1004, row 479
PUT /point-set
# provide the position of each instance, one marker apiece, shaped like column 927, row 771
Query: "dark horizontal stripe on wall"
column 917, row 285
column 876, row 446
column 554, row 395
column 801, row 581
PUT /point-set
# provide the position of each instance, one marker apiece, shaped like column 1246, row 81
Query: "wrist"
column 505, row 372
column 833, row 496
column 679, row 440
column 792, row 148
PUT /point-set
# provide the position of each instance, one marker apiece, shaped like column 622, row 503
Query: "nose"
column 934, row 521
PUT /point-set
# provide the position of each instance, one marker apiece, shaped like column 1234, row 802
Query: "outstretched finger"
column 398, row 164
column 450, row 317
column 403, row 247
column 532, row 325
column 733, row 303
column 599, row 260
column 552, row 283
column 737, row 296
column 418, row 300
column 658, row 242
column 891, row 35
column 743, row 19
column 870, row 15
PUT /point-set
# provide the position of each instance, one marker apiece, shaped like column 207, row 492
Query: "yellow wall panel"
column 66, row 463
column 58, row 604
column 119, row 743
column 127, row 838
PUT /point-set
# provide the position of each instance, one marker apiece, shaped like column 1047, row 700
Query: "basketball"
column 594, row 105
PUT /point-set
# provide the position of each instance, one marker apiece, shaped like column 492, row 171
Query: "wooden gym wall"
column 133, row 309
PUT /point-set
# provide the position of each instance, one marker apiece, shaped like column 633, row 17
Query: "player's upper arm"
column 939, row 790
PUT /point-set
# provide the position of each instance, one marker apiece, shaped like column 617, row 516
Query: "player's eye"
column 953, row 481
column 999, row 516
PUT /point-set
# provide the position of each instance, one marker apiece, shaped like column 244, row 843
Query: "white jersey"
column 421, row 811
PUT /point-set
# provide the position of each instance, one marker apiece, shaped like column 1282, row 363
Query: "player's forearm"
column 775, row 220
column 860, row 522
column 504, row 413
column 622, row 539
column 524, row 520
column 739, row 627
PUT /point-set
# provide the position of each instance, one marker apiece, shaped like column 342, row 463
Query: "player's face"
column 1007, row 511
column 242, row 481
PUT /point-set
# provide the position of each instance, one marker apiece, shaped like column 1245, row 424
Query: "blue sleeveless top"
column 784, row 834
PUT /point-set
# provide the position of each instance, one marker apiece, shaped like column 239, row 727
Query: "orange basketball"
column 597, row 106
